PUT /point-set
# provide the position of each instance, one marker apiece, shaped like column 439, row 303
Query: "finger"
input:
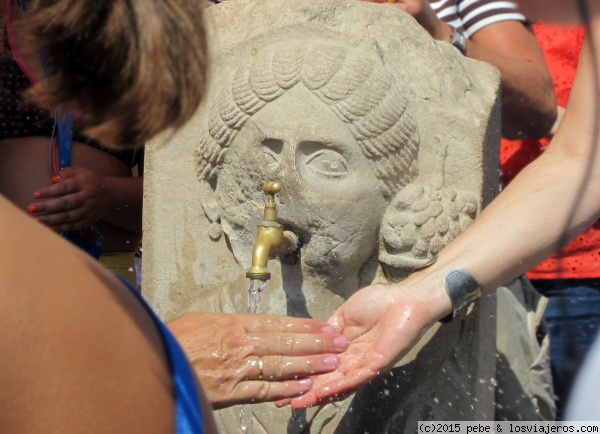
column 262, row 323
column 276, row 368
column 343, row 384
column 61, row 188
column 71, row 226
column 306, row 400
column 63, row 217
column 336, row 321
column 265, row 391
column 282, row 402
column 333, row 386
column 310, row 400
column 56, row 205
column 68, row 172
column 295, row 344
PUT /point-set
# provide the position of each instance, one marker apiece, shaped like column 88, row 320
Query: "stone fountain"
column 378, row 135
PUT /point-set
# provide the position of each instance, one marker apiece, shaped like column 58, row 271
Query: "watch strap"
column 459, row 39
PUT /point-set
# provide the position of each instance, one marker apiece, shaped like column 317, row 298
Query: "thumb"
column 67, row 172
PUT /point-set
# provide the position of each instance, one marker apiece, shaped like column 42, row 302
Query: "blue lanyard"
column 65, row 139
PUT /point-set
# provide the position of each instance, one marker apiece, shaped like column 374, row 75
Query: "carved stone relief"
column 378, row 135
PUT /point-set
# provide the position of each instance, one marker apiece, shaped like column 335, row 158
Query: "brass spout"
column 271, row 240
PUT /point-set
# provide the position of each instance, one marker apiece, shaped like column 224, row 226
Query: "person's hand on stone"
column 382, row 324
column 421, row 10
column 75, row 200
column 256, row 358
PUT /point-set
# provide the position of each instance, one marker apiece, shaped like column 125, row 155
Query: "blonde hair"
column 129, row 68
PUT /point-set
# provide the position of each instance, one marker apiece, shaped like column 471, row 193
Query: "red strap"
column 13, row 45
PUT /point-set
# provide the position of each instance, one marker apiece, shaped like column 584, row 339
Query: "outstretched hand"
column 382, row 324
column 256, row 358
column 75, row 200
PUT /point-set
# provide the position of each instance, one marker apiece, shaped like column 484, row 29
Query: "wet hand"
column 256, row 358
column 75, row 200
column 382, row 324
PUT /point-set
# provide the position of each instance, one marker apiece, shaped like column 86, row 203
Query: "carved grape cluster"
column 421, row 221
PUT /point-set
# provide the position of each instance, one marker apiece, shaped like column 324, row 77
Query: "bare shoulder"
column 83, row 351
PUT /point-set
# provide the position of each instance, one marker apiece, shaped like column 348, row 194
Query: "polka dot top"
column 20, row 119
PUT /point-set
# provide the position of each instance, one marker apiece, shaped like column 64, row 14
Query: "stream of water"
column 254, row 293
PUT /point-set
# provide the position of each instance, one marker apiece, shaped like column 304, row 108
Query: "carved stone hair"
column 357, row 88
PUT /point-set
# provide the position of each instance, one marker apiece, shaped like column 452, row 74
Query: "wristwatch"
column 459, row 39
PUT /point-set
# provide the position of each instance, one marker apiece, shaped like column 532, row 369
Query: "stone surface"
column 379, row 135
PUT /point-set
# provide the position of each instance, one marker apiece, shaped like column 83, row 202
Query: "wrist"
column 428, row 287
column 447, row 292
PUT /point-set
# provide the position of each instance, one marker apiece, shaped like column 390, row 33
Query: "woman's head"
column 359, row 91
column 330, row 123
column 129, row 68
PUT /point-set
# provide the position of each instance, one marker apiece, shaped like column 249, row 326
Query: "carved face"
column 331, row 197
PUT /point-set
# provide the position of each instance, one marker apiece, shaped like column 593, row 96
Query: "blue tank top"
column 188, row 415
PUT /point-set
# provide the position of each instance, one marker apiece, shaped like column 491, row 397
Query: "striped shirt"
column 473, row 15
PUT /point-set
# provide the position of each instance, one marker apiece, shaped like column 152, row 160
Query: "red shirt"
column 581, row 258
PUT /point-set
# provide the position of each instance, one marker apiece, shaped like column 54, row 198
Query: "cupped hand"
column 75, row 200
column 228, row 352
column 382, row 324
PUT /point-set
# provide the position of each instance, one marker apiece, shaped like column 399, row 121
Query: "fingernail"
column 331, row 361
column 32, row 208
column 55, row 178
column 341, row 343
column 306, row 383
column 327, row 328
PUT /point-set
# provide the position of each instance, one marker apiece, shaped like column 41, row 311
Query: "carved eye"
column 327, row 162
column 272, row 150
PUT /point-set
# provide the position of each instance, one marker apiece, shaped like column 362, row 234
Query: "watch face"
column 459, row 40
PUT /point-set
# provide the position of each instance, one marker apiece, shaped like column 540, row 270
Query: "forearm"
column 551, row 200
column 124, row 197
column 527, row 223
column 530, row 220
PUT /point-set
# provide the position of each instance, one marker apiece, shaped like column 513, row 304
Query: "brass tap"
column 271, row 240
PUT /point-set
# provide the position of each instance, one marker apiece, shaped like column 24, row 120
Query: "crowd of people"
column 76, row 334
